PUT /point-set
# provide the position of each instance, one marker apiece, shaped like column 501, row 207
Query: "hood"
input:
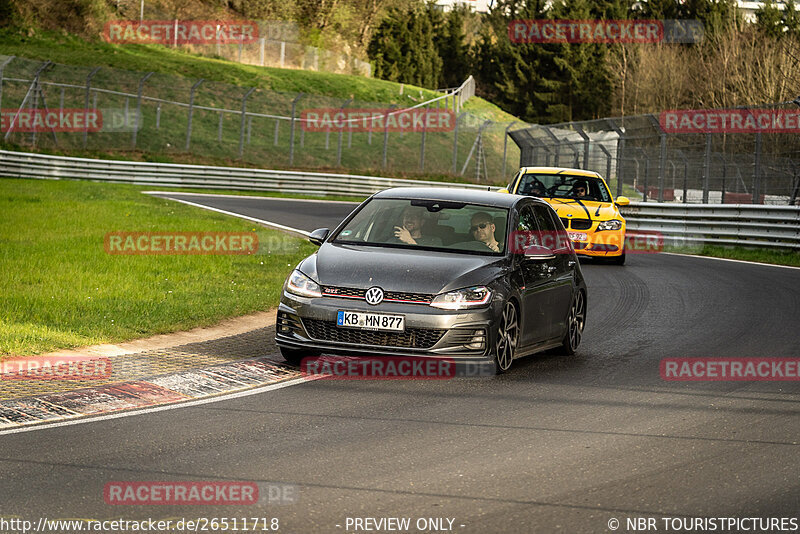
column 395, row 269
column 564, row 208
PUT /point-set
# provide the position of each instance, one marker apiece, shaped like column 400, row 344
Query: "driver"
column 482, row 228
column 580, row 190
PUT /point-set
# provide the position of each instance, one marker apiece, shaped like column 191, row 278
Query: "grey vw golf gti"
column 455, row 273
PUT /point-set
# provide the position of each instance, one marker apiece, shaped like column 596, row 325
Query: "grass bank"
column 61, row 289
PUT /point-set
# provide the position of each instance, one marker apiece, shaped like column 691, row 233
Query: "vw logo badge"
column 374, row 295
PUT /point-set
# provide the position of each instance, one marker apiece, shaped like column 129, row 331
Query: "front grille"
column 581, row 224
column 349, row 292
column 412, row 297
column 565, row 222
column 415, row 338
column 330, row 291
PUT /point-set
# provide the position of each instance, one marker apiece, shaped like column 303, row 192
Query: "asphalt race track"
column 559, row 444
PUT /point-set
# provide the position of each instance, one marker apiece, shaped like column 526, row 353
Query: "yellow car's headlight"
column 613, row 224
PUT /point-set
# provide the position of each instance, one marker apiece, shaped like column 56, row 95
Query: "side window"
column 527, row 232
column 553, row 234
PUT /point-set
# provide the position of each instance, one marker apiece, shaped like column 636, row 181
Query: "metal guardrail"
column 728, row 224
column 719, row 224
column 44, row 166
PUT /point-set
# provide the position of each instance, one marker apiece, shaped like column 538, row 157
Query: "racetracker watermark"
column 56, row 368
column 730, row 121
column 393, row 368
column 633, row 242
column 198, row 493
column 377, row 120
column 56, row 120
column 605, row 31
column 730, row 369
column 180, row 32
column 147, row 243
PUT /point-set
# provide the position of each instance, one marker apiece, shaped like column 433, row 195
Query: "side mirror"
column 539, row 253
column 318, row 236
column 504, row 190
column 622, row 201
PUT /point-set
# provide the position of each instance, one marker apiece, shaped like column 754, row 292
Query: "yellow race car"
column 584, row 204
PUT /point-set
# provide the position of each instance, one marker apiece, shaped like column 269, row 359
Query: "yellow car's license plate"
column 578, row 236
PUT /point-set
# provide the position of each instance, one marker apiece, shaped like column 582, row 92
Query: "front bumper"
column 310, row 324
column 605, row 244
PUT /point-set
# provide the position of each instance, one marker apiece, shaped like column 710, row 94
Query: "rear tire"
column 295, row 356
column 576, row 320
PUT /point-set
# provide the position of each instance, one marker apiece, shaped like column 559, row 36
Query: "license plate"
column 370, row 321
column 578, row 236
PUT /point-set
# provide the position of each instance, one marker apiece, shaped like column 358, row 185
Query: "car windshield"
column 430, row 224
column 564, row 186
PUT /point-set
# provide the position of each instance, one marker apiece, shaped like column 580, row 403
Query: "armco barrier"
column 720, row 224
column 32, row 165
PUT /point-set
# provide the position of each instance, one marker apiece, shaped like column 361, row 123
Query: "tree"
column 769, row 19
column 402, row 47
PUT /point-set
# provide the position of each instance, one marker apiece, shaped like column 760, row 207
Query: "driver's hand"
column 404, row 235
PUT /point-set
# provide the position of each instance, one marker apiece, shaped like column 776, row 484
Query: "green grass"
column 776, row 257
column 61, row 289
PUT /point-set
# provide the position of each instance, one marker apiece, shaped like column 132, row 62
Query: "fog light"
column 478, row 340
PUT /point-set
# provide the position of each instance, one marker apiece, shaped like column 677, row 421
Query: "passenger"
column 410, row 231
column 482, row 229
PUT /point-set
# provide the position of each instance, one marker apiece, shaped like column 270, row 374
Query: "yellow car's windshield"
column 563, row 186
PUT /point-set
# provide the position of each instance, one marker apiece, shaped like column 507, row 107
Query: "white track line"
column 729, row 259
column 246, row 217
column 107, row 417
column 248, row 196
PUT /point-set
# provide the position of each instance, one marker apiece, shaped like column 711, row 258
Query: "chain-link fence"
column 643, row 158
column 174, row 116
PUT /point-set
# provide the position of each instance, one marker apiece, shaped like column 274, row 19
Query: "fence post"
column 2, row 68
column 586, row 141
column 291, row 132
column 283, row 52
column 33, row 88
column 422, row 145
column 620, row 147
column 241, row 124
column 386, row 133
column 724, row 173
column 609, row 159
column 341, row 133
column 707, row 168
column 455, row 139
column 262, row 42
column 86, row 101
column 139, row 108
column 685, row 173
column 757, row 171
column 556, row 144
column 191, row 112
column 505, row 146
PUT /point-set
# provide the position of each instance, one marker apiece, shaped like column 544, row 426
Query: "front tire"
column 506, row 339
column 576, row 320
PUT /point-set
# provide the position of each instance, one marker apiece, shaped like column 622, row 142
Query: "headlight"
column 613, row 224
column 300, row 284
column 471, row 297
